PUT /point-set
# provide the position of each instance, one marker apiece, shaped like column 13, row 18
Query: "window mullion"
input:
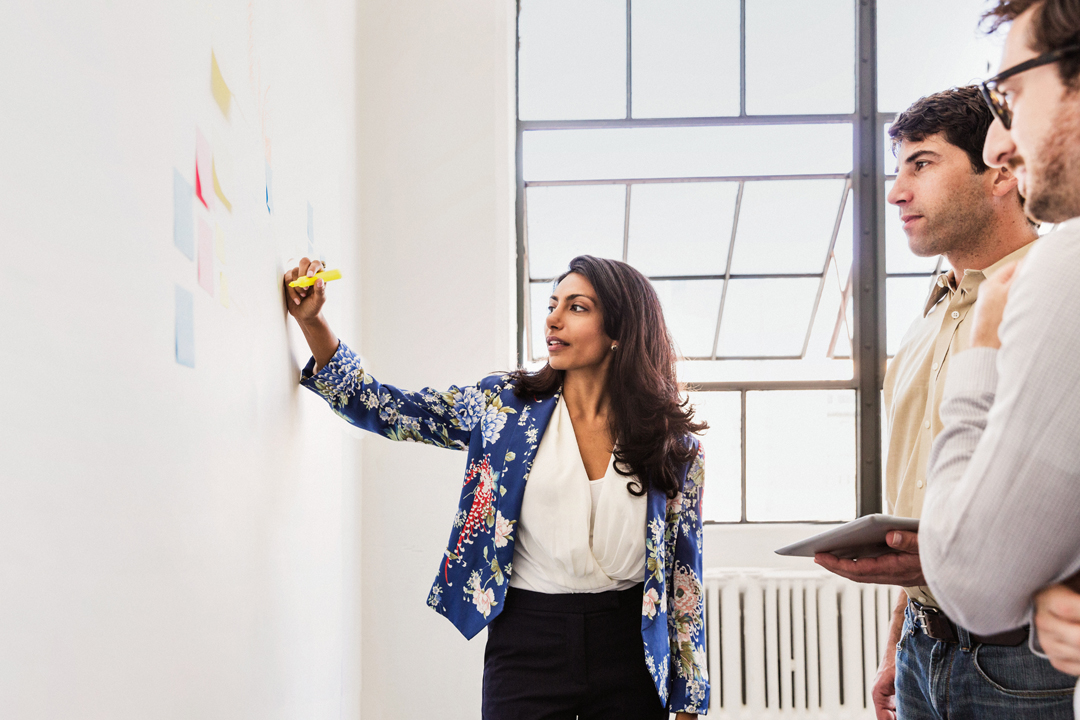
column 869, row 333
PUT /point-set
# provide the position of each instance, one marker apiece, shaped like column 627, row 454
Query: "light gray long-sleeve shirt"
column 1001, row 518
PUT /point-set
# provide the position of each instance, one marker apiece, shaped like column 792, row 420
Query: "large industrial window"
column 734, row 152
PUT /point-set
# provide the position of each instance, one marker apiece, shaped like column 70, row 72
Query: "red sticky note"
column 206, row 257
column 204, row 167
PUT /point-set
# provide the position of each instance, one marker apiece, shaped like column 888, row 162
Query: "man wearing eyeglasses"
column 1001, row 520
column 952, row 204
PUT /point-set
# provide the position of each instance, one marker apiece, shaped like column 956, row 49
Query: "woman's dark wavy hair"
column 650, row 418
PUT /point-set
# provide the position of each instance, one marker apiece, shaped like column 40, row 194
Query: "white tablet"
column 864, row 537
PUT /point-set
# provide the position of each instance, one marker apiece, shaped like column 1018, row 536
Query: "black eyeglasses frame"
column 994, row 99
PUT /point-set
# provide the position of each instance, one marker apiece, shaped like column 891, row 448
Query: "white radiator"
column 787, row 643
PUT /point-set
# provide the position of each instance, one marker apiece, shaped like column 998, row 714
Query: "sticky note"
column 185, row 328
column 219, row 243
column 183, row 216
column 206, row 257
column 223, row 294
column 221, row 91
column 310, row 224
column 269, row 189
column 217, row 188
column 204, row 160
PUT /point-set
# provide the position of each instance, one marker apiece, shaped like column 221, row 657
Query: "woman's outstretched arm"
column 305, row 305
column 445, row 418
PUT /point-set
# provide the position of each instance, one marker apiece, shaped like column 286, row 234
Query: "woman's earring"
column 614, row 347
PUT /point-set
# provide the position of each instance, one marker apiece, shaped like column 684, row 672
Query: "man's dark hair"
column 1054, row 24
column 960, row 114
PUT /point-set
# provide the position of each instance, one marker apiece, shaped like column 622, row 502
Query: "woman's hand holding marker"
column 305, row 305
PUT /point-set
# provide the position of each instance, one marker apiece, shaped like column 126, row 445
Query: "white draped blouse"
column 575, row 535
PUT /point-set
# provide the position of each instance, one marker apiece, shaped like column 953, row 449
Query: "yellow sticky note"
column 221, row 91
column 223, row 290
column 217, row 188
column 219, row 242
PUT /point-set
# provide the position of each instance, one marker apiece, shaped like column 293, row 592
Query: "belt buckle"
column 921, row 618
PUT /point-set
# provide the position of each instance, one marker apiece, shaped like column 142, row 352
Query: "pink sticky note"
column 204, row 168
column 206, row 257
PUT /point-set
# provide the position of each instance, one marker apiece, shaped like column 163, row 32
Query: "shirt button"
column 955, row 314
column 934, row 366
column 922, row 599
column 919, row 484
column 926, row 424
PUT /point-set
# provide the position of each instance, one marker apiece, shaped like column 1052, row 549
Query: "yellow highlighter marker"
column 326, row 275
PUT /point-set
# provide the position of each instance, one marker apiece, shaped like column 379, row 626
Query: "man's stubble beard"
column 1053, row 182
column 962, row 223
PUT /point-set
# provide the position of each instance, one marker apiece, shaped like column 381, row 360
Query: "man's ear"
column 1003, row 181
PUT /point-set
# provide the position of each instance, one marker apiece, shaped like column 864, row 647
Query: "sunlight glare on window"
column 696, row 216
column 800, row 455
column 926, row 46
column 671, row 152
column 686, row 58
column 800, row 57
column 567, row 221
column 723, row 453
column 572, row 59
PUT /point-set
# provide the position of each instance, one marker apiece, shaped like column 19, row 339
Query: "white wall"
column 436, row 149
column 172, row 540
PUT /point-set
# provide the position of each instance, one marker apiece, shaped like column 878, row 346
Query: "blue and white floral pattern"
column 474, row 573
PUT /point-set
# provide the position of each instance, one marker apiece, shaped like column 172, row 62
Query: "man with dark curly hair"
column 1001, row 523
column 953, row 204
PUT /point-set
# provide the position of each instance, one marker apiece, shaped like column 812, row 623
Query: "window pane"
column 567, row 221
column 686, row 58
column 800, row 56
column 831, row 335
column 800, row 455
column 681, row 228
column 690, row 310
column 538, row 304
column 687, row 152
column 766, row 318
column 845, row 238
column 572, row 59
column 905, row 298
column 898, row 256
column 785, row 226
column 723, row 453
column 908, row 69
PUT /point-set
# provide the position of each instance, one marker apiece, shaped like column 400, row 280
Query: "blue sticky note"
column 269, row 189
column 183, row 216
column 310, row 224
column 185, row 328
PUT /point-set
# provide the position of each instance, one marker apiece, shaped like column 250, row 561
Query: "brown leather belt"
column 937, row 626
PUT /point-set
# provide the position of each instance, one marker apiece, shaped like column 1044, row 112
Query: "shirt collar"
column 946, row 283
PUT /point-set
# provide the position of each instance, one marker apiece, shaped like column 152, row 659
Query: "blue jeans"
column 936, row 680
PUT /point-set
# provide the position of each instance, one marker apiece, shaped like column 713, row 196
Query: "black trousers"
column 561, row 657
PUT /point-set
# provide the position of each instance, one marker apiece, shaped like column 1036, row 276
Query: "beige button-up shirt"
column 914, row 384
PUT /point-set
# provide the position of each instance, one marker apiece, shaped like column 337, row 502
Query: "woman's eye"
column 578, row 307
column 551, row 309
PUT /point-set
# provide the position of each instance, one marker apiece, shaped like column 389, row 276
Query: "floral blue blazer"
column 501, row 433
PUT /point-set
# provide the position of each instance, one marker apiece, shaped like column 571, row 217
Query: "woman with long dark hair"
column 588, row 576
